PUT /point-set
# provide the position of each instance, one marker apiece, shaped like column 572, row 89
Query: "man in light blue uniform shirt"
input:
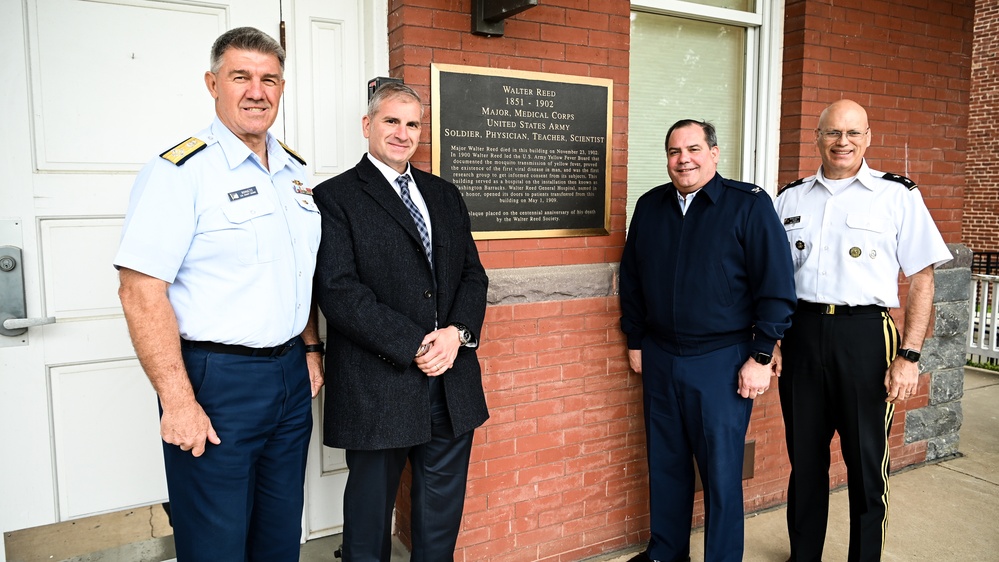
column 216, row 264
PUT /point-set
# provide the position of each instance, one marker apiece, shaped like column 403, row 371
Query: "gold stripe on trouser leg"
column 891, row 349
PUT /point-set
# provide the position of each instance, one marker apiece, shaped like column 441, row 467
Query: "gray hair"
column 709, row 131
column 245, row 39
column 391, row 90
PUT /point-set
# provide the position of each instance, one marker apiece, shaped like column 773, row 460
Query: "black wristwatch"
column 319, row 348
column 464, row 334
column 909, row 355
column 761, row 358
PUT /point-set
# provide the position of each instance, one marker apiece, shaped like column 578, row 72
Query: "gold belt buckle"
column 829, row 309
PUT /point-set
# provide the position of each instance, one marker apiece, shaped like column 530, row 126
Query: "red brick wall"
column 575, row 37
column 558, row 472
column 980, row 230
column 909, row 64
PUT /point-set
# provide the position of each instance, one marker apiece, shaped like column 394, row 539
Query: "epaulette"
column 184, row 151
column 795, row 183
column 909, row 184
column 742, row 186
column 293, row 153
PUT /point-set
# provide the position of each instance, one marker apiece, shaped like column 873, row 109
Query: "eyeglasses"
column 835, row 135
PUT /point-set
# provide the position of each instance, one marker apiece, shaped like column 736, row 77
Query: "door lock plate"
column 12, row 303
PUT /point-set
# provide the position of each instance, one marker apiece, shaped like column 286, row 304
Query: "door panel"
column 132, row 72
column 328, row 87
column 112, row 400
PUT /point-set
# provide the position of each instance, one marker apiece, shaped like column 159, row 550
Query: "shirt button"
column 825, row 247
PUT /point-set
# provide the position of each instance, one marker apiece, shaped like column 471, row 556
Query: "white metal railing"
column 984, row 317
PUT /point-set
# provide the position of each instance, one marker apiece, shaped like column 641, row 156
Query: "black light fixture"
column 488, row 15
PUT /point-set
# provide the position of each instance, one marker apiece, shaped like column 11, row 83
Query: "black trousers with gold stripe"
column 833, row 381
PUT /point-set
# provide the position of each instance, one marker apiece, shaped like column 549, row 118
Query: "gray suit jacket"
column 380, row 298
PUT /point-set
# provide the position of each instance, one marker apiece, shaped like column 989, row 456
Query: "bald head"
column 842, row 109
column 842, row 137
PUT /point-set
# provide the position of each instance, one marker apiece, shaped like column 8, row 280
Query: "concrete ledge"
column 131, row 535
column 551, row 283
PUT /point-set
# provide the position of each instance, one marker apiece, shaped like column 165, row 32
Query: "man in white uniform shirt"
column 850, row 229
column 216, row 264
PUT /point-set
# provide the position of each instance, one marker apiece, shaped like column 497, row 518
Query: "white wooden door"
column 325, row 99
column 92, row 90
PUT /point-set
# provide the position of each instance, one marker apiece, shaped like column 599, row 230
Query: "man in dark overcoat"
column 399, row 280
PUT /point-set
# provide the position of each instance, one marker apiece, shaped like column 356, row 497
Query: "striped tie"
column 403, row 183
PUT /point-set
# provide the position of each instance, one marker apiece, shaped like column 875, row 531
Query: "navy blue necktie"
column 403, row 183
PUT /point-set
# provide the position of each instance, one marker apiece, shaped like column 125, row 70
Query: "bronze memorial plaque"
column 529, row 151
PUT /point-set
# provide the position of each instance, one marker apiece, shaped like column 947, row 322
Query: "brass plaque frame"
column 527, row 81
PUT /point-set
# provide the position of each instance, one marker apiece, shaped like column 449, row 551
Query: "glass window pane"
column 682, row 69
column 743, row 5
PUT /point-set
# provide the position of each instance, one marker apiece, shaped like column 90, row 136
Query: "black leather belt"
column 819, row 308
column 231, row 349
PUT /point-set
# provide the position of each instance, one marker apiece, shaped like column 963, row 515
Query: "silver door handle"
column 18, row 323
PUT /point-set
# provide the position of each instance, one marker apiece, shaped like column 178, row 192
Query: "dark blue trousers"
column 242, row 500
column 440, row 471
column 693, row 411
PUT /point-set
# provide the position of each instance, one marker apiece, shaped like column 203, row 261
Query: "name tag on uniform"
column 242, row 193
column 792, row 220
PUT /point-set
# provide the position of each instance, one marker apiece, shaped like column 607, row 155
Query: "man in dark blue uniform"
column 707, row 290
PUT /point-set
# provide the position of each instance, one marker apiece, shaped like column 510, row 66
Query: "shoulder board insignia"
column 293, row 153
column 741, row 185
column 909, row 184
column 184, row 151
column 795, row 183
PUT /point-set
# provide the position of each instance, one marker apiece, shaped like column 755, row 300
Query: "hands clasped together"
column 438, row 351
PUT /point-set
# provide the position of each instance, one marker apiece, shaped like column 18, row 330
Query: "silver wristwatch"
column 464, row 334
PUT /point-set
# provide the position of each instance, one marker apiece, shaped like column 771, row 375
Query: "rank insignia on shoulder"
column 757, row 189
column 184, row 151
column 292, row 153
column 909, row 184
column 795, row 183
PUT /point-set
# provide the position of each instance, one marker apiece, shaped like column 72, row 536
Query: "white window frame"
column 764, row 46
